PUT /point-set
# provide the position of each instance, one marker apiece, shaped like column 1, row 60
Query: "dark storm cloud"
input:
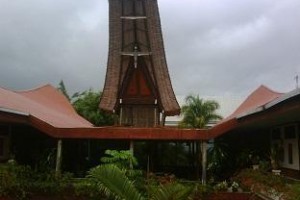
column 231, row 47
column 215, row 47
column 46, row 41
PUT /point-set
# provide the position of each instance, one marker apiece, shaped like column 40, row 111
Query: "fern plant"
column 112, row 181
column 171, row 191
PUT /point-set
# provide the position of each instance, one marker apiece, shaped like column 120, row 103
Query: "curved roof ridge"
column 267, row 88
column 46, row 103
column 259, row 97
column 33, row 89
column 49, row 95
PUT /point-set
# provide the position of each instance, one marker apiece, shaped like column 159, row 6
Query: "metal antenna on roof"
column 297, row 80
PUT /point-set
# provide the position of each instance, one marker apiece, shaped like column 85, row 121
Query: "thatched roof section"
column 145, row 32
column 110, row 91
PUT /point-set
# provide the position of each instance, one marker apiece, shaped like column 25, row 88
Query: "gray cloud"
column 216, row 47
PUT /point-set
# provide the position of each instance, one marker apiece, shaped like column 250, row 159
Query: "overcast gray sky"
column 213, row 47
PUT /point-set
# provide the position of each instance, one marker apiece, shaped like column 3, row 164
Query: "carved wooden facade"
column 137, row 86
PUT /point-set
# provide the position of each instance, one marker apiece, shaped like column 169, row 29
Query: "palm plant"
column 197, row 113
column 113, row 182
column 171, row 191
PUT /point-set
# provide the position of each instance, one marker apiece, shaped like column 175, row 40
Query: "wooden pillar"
column 58, row 158
column 204, row 161
column 121, row 116
column 121, row 112
column 163, row 118
column 155, row 114
column 131, row 149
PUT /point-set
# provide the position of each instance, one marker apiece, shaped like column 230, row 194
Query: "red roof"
column 49, row 111
column 260, row 97
column 44, row 103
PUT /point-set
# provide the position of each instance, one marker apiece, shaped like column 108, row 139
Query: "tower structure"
column 137, row 84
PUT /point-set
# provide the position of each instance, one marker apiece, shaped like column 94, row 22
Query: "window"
column 290, row 153
column 290, row 132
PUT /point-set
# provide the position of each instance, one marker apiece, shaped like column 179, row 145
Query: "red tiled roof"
column 44, row 103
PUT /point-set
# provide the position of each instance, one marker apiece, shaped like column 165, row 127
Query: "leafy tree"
column 86, row 104
column 197, row 113
column 62, row 88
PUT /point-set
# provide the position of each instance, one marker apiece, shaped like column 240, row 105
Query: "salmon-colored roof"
column 44, row 103
column 261, row 96
column 253, row 103
column 49, row 111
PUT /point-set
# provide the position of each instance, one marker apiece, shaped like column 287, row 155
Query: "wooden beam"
column 134, row 133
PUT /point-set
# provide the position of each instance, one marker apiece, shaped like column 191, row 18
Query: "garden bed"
column 214, row 196
column 233, row 196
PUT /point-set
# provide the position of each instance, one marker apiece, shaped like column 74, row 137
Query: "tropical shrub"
column 20, row 182
column 268, row 184
column 113, row 182
column 14, row 180
column 124, row 160
column 170, row 191
column 202, row 191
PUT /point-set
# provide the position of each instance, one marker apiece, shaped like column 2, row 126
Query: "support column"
column 121, row 112
column 204, row 161
column 163, row 118
column 155, row 114
column 58, row 158
column 131, row 149
column 121, row 116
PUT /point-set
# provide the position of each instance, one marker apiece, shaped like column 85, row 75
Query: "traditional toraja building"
column 138, row 89
column 137, row 86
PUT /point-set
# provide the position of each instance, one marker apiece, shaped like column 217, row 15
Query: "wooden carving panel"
column 138, row 85
column 139, row 116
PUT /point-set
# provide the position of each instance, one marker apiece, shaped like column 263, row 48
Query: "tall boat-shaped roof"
column 135, row 40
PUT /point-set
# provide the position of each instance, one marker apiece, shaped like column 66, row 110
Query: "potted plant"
column 274, row 158
column 255, row 161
